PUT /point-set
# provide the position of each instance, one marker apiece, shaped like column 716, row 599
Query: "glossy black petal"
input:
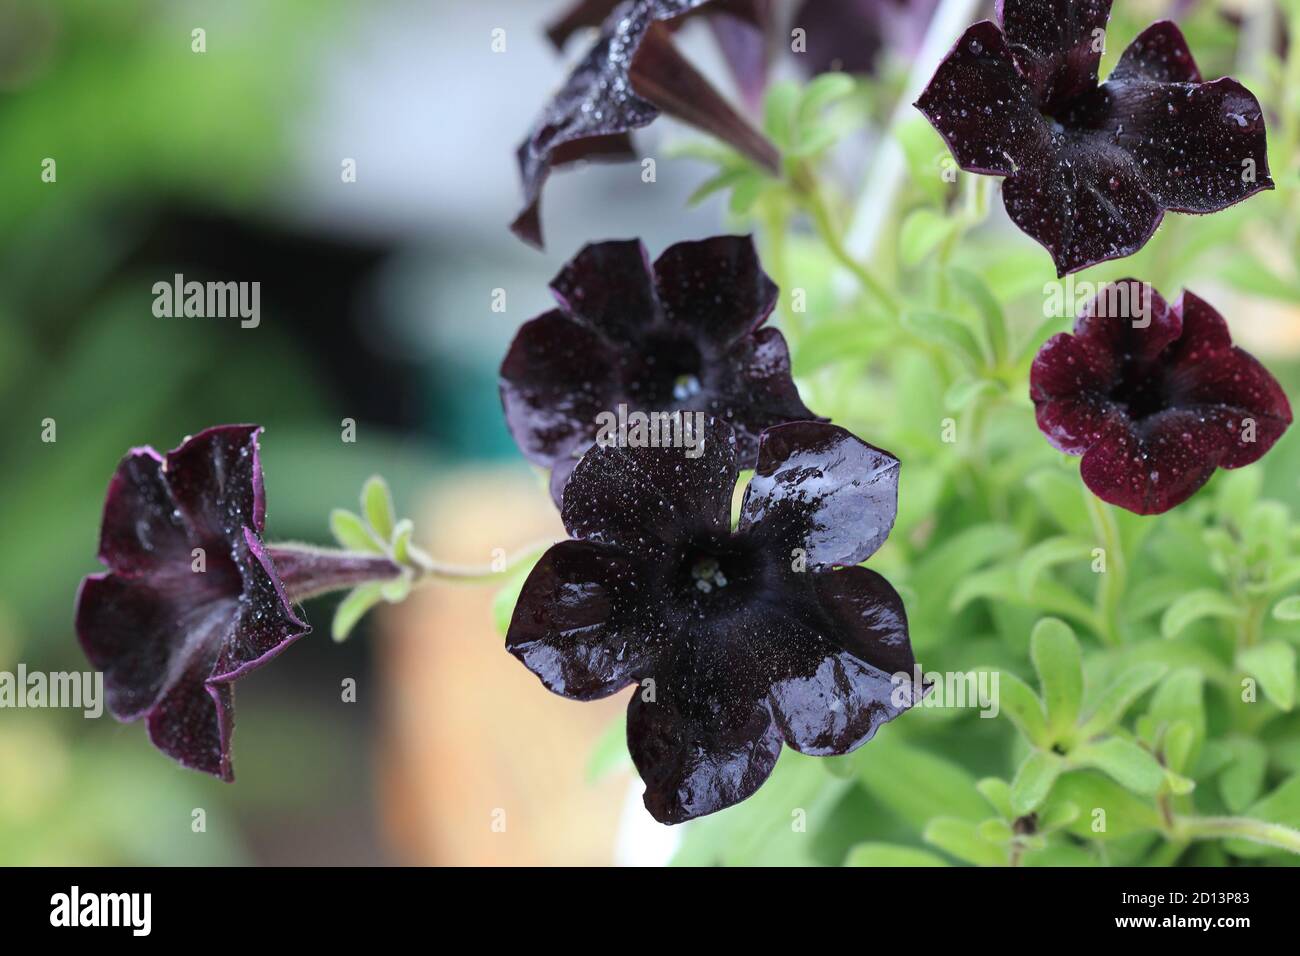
column 823, row 492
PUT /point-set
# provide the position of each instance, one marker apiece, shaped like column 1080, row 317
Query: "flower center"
column 667, row 373
column 1142, row 394
column 715, row 576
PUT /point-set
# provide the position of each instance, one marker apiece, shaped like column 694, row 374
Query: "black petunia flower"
column 1154, row 397
column 192, row 600
column 737, row 640
column 623, row 83
column 850, row 35
column 684, row 335
column 1091, row 169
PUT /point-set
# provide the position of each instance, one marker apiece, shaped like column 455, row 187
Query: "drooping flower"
column 1154, row 397
column 1092, row 168
column 737, row 640
column 623, row 83
column 685, row 334
column 193, row 599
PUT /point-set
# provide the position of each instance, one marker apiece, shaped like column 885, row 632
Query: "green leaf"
column 823, row 91
column 1179, row 698
column 1047, row 554
column 995, row 322
column 1059, row 662
column 1058, row 496
column 779, row 108
column 1241, row 781
column 1121, row 812
column 995, row 831
column 998, row 793
column 354, row 607
column 915, row 784
column 1287, row 609
column 377, row 503
column 889, row 854
column 724, row 179
column 1273, row 665
column 961, row 839
column 351, row 532
column 1034, row 781
column 1124, row 761
column 1193, row 607
column 924, row 151
column 1019, row 704
column 921, row 233
column 946, row 331
column 965, row 390
column 402, row 541
column 397, row 590
column 1113, row 702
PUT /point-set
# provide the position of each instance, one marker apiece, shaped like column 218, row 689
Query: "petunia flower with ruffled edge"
column 737, row 641
column 623, row 83
column 1154, row 396
column 685, row 334
column 1091, row 169
column 193, row 600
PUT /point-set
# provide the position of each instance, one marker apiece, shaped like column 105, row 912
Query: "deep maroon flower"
column 850, row 35
column 192, row 600
column 632, row 73
column 1091, row 169
column 684, row 335
column 1154, row 397
column 736, row 640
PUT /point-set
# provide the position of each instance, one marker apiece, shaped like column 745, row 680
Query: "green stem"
column 1243, row 828
column 810, row 196
column 1111, row 586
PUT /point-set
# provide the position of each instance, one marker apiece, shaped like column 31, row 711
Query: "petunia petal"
column 194, row 722
column 609, row 287
column 759, row 392
column 555, row 379
column 1154, row 465
column 1057, row 44
column 715, row 287
column 820, row 489
column 983, row 108
column 216, row 481
column 266, row 624
column 645, row 498
column 841, row 680
column 141, row 529
column 693, row 765
column 582, row 623
column 1084, row 200
column 1160, row 54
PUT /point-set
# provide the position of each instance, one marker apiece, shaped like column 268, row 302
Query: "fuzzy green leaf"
column 1124, row 761
column 377, row 504
column 354, row 607
column 1119, row 696
column 961, row 839
column 1193, row 607
column 889, row 854
column 1059, row 662
column 1273, row 665
column 351, row 532
column 1034, row 781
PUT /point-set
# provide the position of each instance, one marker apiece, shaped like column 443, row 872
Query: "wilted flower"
column 1154, row 397
column 736, row 640
column 193, row 600
column 1091, row 169
column 630, row 75
column 684, row 335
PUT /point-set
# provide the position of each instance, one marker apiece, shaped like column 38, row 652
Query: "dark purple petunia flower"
column 192, row 600
column 737, row 640
column 623, row 83
column 850, row 35
column 684, row 335
column 1154, row 397
column 1091, row 169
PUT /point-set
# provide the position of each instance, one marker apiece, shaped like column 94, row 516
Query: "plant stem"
column 1244, row 828
column 810, row 195
column 1111, row 586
